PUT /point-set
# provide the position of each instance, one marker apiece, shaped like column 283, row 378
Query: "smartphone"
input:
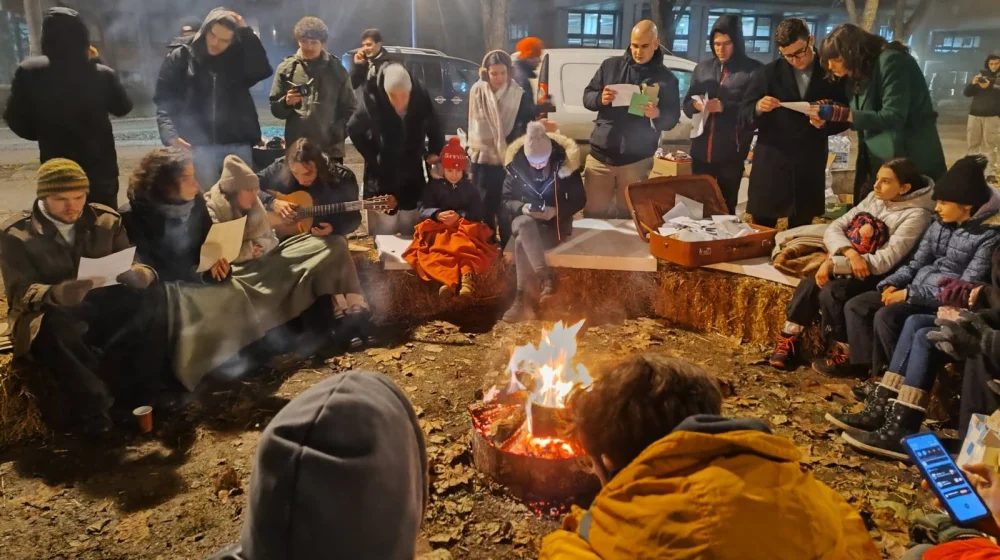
column 537, row 208
column 948, row 482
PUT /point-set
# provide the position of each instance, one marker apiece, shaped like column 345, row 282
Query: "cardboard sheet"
column 757, row 268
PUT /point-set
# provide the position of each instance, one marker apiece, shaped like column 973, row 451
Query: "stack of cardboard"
column 982, row 442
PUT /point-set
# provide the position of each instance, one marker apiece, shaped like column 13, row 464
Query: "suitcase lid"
column 649, row 200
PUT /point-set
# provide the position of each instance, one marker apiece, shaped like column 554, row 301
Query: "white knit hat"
column 395, row 77
column 537, row 145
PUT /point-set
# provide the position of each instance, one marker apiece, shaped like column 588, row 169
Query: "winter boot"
column 521, row 310
column 837, row 364
column 467, row 286
column 446, row 292
column 784, row 355
column 903, row 419
column 862, row 390
column 876, row 407
column 548, row 280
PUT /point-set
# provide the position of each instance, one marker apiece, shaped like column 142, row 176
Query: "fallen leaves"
column 133, row 528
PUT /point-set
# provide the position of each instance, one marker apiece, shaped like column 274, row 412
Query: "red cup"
column 144, row 417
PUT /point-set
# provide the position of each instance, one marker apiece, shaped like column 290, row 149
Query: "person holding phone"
column 369, row 60
column 984, row 114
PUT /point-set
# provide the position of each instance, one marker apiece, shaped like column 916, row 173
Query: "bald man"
column 622, row 144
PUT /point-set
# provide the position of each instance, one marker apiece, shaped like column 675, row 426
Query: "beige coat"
column 258, row 230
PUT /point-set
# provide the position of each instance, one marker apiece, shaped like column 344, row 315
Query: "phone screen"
column 953, row 489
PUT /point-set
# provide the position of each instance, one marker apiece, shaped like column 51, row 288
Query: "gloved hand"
column 70, row 292
column 138, row 277
column 956, row 293
column 964, row 338
column 834, row 112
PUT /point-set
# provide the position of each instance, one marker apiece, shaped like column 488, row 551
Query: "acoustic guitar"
column 306, row 212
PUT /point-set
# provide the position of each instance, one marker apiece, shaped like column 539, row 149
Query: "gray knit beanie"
column 395, row 77
column 537, row 145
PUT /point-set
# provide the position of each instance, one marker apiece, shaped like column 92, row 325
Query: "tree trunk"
column 866, row 20
column 33, row 18
column 494, row 24
column 902, row 27
column 666, row 14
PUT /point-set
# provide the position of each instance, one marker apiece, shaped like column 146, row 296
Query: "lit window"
column 756, row 31
column 592, row 28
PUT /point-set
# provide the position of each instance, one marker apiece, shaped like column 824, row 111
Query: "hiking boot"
column 837, row 364
column 872, row 417
column 548, row 282
column 784, row 355
column 521, row 310
column 467, row 286
column 902, row 420
column 446, row 292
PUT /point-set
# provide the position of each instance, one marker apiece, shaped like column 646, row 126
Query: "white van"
column 567, row 72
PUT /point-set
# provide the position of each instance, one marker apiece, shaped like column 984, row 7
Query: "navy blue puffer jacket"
column 950, row 251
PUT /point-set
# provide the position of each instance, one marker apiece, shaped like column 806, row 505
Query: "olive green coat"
column 894, row 117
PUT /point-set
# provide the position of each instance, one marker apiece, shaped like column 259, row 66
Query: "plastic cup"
column 144, row 417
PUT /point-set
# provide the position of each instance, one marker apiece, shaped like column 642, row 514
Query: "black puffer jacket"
column 563, row 189
column 620, row 138
column 395, row 148
column 985, row 101
column 62, row 100
column 206, row 99
column 724, row 139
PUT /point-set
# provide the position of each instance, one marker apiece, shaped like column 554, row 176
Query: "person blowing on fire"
column 680, row 481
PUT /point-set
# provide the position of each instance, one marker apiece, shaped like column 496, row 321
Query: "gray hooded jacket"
column 341, row 472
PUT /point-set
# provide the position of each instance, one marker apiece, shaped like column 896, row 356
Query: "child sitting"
column 864, row 245
column 452, row 243
column 681, row 482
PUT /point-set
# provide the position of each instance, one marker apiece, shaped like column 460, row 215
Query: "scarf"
column 67, row 231
column 491, row 119
column 175, row 211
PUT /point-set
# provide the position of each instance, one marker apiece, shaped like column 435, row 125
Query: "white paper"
column 623, row 94
column 105, row 270
column 223, row 242
column 693, row 236
column 698, row 120
column 797, row 106
column 697, row 209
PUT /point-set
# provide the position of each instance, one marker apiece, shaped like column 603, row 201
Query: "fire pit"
column 515, row 430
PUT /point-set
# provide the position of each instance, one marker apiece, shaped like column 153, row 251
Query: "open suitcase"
column 649, row 200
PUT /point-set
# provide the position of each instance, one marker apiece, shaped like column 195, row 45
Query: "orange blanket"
column 443, row 253
column 966, row 549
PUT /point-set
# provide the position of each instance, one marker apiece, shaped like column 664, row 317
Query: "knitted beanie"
column 965, row 183
column 530, row 47
column 453, row 156
column 60, row 175
column 237, row 176
column 395, row 77
column 537, row 145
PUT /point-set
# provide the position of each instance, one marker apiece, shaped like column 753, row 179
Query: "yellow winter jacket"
column 737, row 495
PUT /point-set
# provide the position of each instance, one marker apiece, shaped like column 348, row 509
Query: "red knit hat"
column 530, row 47
column 453, row 156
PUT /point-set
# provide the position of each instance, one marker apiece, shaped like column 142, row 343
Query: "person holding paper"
column 891, row 107
column 627, row 130
column 78, row 334
column 788, row 175
column 723, row 80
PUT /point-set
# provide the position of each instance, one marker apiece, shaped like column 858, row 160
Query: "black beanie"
column 965, row 183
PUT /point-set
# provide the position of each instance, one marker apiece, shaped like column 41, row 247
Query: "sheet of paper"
column 636, row 105
column 697, row 209
column 223, row 242
column 623, row 94
column 698, row 120
column 797, row 106
column 105, row 270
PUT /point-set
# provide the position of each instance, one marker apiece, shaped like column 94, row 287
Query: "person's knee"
column 521, row 223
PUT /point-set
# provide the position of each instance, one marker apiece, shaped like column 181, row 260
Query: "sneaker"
column 873, row 415
column 784, row 355
column 520, row 310
column 837, row 364
column 901, row 421
column 467, row 286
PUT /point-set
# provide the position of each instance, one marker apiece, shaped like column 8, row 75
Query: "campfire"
column 516, row 437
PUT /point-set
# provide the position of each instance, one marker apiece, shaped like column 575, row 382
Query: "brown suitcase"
column 649, row 200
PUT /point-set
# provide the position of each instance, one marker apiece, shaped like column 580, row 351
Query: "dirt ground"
column 181, row 493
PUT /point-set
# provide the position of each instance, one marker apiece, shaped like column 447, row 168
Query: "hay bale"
column 20, row 415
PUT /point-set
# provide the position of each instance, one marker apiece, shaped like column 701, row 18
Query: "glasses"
column 797, row 54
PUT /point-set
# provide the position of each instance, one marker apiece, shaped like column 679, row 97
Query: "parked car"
column 566, row 72
column 447, row 79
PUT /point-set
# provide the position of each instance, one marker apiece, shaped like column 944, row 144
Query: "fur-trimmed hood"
column 564, row 150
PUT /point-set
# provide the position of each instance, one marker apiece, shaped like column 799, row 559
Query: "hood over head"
column 64, row 36
column 342, row 471
column 217, row 15
column 732, row 25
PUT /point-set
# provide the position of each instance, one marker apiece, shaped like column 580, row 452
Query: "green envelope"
column 635, row 106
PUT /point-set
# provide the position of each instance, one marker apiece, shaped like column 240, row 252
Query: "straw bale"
column 20, row 416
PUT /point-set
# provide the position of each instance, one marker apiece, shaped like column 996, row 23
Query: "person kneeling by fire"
column 452, row 243
column 542, row 192
column 679, row 481
column 96, row 341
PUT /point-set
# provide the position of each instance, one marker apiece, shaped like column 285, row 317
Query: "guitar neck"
column 328, row 209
